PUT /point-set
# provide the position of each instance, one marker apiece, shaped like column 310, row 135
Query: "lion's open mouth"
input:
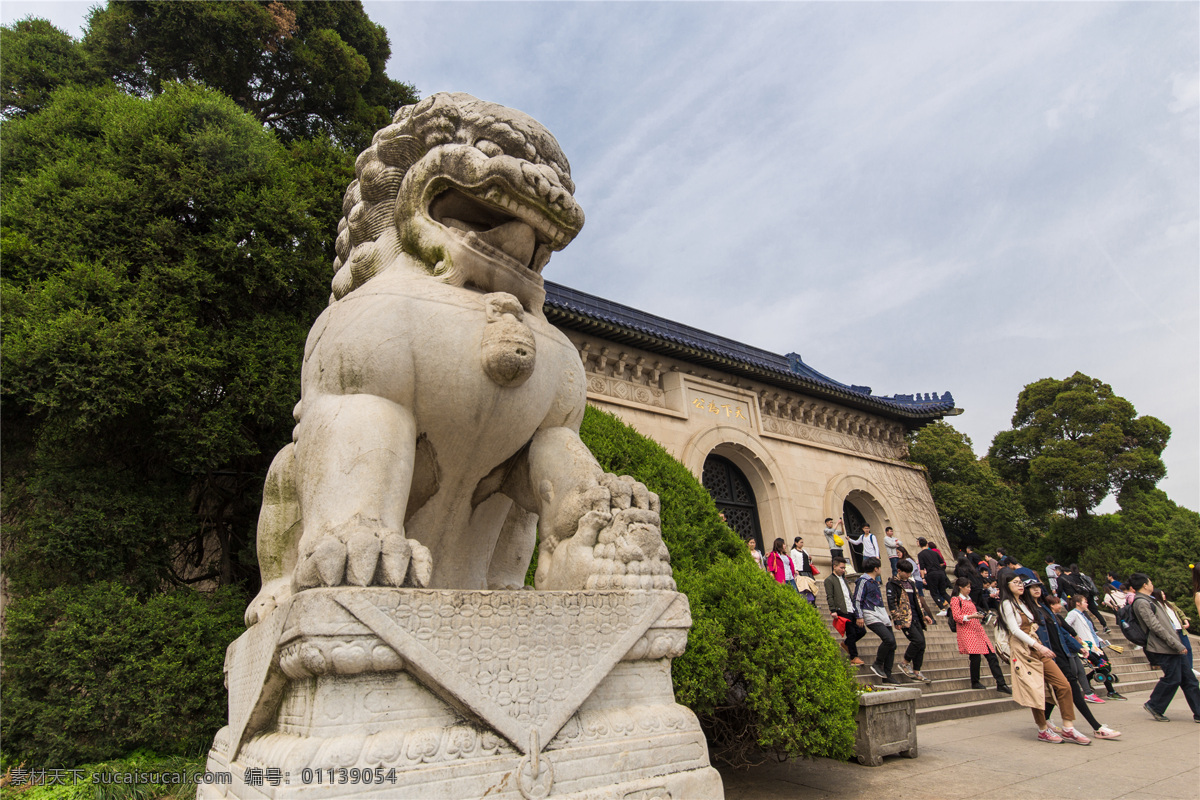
column 499, row 227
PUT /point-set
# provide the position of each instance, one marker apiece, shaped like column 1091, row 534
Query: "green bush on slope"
column 761, row 670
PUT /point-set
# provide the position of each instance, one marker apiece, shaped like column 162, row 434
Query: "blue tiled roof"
column 575, row 309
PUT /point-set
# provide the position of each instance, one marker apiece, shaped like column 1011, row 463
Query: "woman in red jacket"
column 779, row 564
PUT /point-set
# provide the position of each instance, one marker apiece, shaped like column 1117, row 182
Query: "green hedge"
column 761, row 669
column 159, row 778
column 92, row 673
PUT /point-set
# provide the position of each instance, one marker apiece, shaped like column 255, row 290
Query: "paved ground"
column 997, row 756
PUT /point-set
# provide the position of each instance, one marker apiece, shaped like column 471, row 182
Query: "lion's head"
column 478, row 194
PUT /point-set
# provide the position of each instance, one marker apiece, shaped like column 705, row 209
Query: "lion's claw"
column 362, row 550
column 421, row 569
column 395, row 554
column 362, row 554
column 329, row 558
column 616, row 545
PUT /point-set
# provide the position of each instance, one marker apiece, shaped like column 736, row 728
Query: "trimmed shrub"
column 761, row 670
column 92, row 672
column 157, row 778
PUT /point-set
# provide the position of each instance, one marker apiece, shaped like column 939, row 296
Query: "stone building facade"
column 779, row 445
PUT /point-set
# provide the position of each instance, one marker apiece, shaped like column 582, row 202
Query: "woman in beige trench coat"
column 1033, row 665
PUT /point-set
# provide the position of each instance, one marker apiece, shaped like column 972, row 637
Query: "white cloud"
column 1185, row 93
column 916, row 197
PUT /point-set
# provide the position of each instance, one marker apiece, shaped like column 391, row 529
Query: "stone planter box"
column 887, row 725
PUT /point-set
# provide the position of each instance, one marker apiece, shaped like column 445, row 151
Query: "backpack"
column 902, row 614
column 1131, row 626
column 1069, row 585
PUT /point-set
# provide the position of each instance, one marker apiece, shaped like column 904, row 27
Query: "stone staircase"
column 950, row 696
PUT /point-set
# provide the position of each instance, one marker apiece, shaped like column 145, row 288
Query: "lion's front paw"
column 362, row 553
column 618, row 546
column 629, row 552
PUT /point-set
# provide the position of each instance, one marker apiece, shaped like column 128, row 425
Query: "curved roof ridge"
column 567, row 305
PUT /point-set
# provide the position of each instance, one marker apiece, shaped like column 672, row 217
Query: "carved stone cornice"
column 622, row 374
column 806, row 419
column 629, row 376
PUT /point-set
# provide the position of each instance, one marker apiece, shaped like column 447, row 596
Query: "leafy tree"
column 302, row 68
column 1149, row 534
column 35, row 59
column 761, row 670
column 163, row 261
column 975, row 506
column 1074, row 442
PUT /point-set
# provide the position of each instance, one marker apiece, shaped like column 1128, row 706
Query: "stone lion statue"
column 437, row 432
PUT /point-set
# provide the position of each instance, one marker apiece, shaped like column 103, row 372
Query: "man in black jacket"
column 1089, row 588
column 936, row 581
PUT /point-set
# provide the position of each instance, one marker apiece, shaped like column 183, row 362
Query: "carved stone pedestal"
column 887, row 725
column 412, row 693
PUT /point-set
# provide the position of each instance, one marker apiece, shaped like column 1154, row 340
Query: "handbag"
column 839, row 625
column 1002, row 641
column 951, row 622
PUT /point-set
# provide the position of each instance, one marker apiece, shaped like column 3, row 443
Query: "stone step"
column 956, row 696
column 976, row 708
column 943, row 648
column 958, row 675
column 961, row 671
column 932, row 650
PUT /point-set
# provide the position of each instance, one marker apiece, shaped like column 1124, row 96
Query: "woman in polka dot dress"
column 972, row 638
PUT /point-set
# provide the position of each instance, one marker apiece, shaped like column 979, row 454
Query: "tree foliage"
column 975, row 506
column 761, row 670
column 35, row 59
column 1150, row 534
column 1075, row 442
column 304, row 69
column 163, row 260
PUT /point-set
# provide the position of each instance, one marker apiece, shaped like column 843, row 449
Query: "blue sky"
column 914, row 196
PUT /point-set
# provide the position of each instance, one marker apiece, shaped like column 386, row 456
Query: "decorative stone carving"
column 814, row 421
column 622, row 376
column 436, row 441
column 627, row 390
column 425, row 693
column 862, row 442
column 908, row 493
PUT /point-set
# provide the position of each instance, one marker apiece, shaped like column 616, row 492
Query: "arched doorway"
column 734, row 498
column 860, row 502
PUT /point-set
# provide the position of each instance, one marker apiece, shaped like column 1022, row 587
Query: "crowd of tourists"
column 1050, row 630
